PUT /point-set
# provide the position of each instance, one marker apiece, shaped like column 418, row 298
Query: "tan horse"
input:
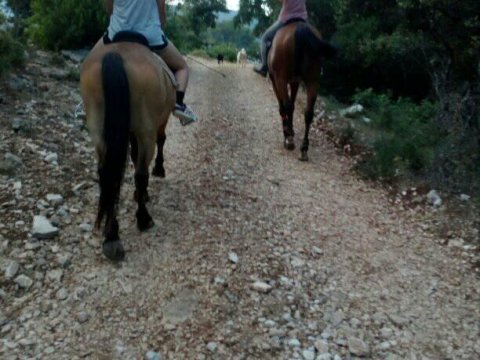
column 295, row 57
column 128, row 98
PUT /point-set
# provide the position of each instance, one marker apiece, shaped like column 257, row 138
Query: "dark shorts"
column 107, row 40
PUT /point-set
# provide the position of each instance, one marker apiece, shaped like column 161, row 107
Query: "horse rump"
column 116, row 132
column 307, row 40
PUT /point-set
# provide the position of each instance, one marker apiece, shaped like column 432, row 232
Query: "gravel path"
column 255, row 255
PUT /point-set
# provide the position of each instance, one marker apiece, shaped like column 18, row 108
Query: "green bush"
column 200, row 53
column 60, row 24
column 229, row 51
column 11, row 51
column 403, row 137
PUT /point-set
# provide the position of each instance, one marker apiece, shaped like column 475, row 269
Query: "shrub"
column 404, row 136
column 11, row 51
column 57, row 24
column 200, row 53
column 229, row 51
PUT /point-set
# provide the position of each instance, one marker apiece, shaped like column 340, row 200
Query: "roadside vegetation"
column 413, row 65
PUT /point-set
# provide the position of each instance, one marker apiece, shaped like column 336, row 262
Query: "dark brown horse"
column 128, row 97
column 295, row 57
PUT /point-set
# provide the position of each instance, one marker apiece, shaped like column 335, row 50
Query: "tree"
column 201, row 14
column 57, row 24
column 188, row 21
column 264, row 11
column 21, row 8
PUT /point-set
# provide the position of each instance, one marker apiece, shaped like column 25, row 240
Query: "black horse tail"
column 308, row 43
column 116, row 131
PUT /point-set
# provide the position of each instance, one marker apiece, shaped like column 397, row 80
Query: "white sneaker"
column 185, row 114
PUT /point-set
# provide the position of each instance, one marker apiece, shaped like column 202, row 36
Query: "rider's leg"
column 178, row 65
column 265, row 45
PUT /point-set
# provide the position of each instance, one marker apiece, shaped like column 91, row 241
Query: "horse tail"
column 116, row 131
column 307, row 42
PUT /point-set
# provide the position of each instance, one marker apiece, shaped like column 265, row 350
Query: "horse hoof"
column 289, row 145
column 113, row 250
column 145, row 224
column 304, row 156
column 158, row 172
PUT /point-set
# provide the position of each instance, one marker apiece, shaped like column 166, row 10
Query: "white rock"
column 64, row 260
column 55, row 275
column 62, row 294
column 19, row 224
column 337, row 317
column 434, row 198
column 294, row 343
column 233, row 257
column 11, row 270
column 297, row 262
column 13, row 159
column 326, row 334
column 152, row 355
column 24, row 281
column 51, row 158
column 76, row 189
column 83, row 317
column 324, row 356
column 465, row 197
column 352, row 110
column 119, row 349
column 321, row 346
column 261, row 286
column 385, row 345
column 84, row 227
column 218, row 280
column 270, row 323
column 386, row 332
column 317, row 250
column 358, row 347
column 17, row 185
column 55, row 199
column 308, row 354
column 212, row 346
column 42, row 229
column 27, row 342
column 456, row 242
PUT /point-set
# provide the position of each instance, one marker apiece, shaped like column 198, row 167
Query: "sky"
column 232, row 4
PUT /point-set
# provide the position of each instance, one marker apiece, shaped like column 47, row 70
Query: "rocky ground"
column 255, row 255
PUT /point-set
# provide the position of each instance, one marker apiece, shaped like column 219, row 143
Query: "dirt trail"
column 349, row 275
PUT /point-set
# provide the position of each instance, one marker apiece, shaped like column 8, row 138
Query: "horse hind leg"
column 286, row 108
column 134, row 157
column 311, row 99
column 112, row 246
column 159, row 170
column 144, row 220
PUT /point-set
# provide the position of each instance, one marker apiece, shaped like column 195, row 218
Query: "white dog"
column 242, row 58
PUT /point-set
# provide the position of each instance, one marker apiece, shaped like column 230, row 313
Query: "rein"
column 208, row 67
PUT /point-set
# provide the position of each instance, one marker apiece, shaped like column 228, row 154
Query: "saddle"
column 135, row 37
column 294, row 20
